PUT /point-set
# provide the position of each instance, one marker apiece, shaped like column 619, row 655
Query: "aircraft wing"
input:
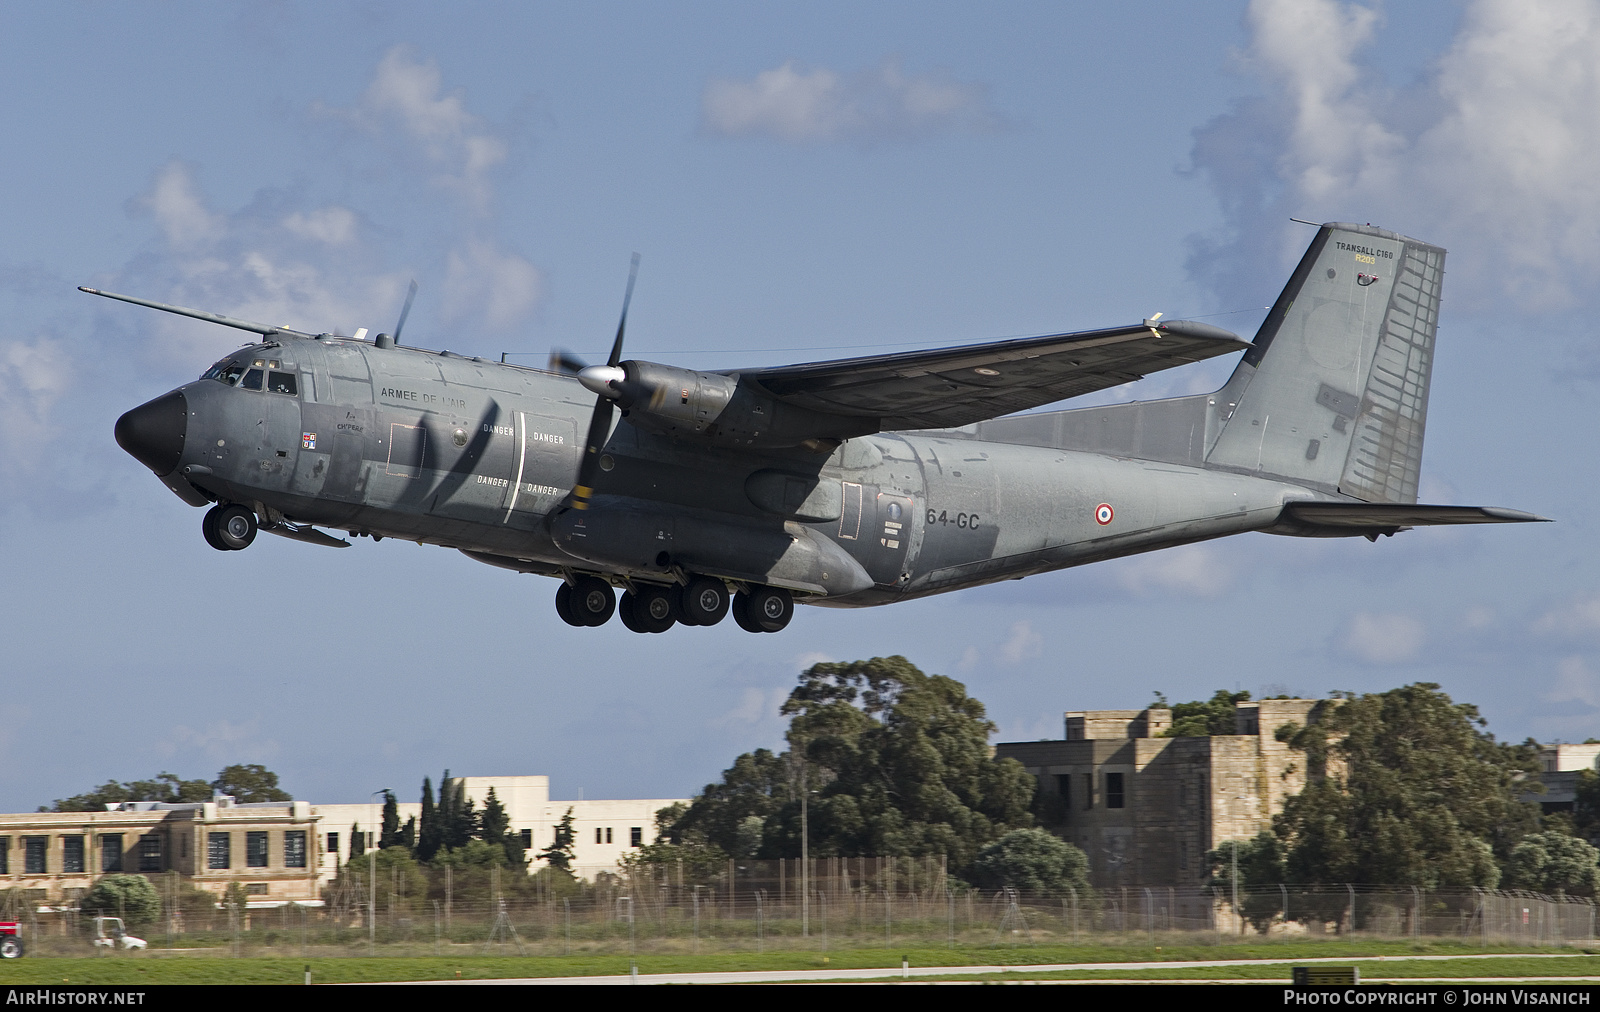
column 948, row 387
column 1359, row 516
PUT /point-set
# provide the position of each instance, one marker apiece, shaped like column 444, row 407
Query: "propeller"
column 605, row 381
column 405, row 310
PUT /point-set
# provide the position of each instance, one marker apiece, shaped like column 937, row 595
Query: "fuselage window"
column 282, row 383
column 225, row 372
column 252, row 380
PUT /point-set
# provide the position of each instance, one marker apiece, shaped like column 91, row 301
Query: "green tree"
column 494, row 827
column 559, row 855
column 1551, row 862
column 430, row 835
column 1032, row 861
column 457, row 817
column 130, row 897
column 1425, row 797
column 1203, row 718
column 389, row 835
column 164, row 787
column 250, row 784
column 897, row 763
column 1251, row 871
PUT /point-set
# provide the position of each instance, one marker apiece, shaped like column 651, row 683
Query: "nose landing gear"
column 229, row 528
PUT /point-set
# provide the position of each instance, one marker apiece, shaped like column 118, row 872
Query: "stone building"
column 1147, row 809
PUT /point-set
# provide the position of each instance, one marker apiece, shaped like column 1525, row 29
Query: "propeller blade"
column 562, row 360
column 405, row 311
column 622, row 324
column 600, row 421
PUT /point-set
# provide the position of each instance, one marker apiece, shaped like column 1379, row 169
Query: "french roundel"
column 1103, row 514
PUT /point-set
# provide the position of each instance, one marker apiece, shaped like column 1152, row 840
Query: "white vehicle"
column 109, row 932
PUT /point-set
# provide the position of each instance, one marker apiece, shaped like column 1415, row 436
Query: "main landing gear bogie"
column 648, row 608
column 229, row 528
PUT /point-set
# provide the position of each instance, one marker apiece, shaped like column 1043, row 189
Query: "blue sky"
column 801, row 180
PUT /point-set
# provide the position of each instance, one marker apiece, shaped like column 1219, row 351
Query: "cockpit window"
column 252, row 380
column 225, row 372
column 282, row 383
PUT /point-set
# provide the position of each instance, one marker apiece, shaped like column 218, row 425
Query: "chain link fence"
column 834, row 903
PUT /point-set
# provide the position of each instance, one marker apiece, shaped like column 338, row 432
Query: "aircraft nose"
column 153, row 432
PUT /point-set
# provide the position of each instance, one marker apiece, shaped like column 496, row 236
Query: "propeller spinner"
column 600, row 379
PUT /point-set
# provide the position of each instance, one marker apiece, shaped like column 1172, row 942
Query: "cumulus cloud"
column 1575, row 683
column 1021, row 644
column 33, row 376
column 221, row 741
column 1189, row 570
column 1491, row 153
column 459, row 145
column 174, row 200
column 1579, row 617
column 1383, row 638
column 335, row 226
column 820, row 105
column 481, row 278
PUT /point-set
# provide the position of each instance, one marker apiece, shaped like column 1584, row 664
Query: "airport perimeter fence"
column 840, row 904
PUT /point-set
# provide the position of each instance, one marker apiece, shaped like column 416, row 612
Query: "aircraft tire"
column 208, row 527
column 10, row 947
column 770, row 608
column 705, row 600
column 740, row 610
column 593, row 601
column 564, row 606
column 236, row 527
column 626, row 611
column 653, row 609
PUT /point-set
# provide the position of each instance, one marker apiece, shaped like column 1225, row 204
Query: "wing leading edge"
column 948, row 387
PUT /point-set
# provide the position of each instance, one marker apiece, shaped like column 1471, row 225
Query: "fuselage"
column 480, row 456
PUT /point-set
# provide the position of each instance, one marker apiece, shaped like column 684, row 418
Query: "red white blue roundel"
column 1103, row 514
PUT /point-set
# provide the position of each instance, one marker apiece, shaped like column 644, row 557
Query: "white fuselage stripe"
column 522, row 458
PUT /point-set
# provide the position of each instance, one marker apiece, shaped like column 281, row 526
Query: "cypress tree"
column 428, row 833
column 391, row 821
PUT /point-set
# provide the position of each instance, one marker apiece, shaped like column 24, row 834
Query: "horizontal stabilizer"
column 1359, row 516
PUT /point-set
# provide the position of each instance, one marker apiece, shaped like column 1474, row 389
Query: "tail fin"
column 1334, row 393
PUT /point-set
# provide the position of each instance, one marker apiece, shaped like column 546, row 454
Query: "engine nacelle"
column 721, row 408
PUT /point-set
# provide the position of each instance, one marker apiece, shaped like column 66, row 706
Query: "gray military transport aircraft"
column 849, row 483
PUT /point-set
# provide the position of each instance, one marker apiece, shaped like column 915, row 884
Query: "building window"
column 599, row 835
column 150, row 853
column 218, row 854
column 333, row 845
column 72, row 855
column 608, row 834
column 1064, row 788
column 1183, row 854
column 294, row 848
column 1088, row 791
column 358, row 843
column 527, row 839
column 5, row 855
column 255, row 850
column 1114, row 797
column 111, row 852
column 255, row 888
column 34, row 849
column 636, row 836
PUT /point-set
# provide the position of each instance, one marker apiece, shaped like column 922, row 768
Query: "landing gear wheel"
column 208, row 527
column 703, row 602
column 740, row 610
column 651, row 608
column 593, row 601
column 236, row 527
column 769, row 608
column 564, row 606
column 10, row 947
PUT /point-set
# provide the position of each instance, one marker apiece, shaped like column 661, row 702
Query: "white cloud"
column 1383, row 638
column 1491, row 154
column 755, row 707
column 335, row 226
column 804, row 662
column 822, row 105
column 1022, row 644
column 174, row 200
column 33, row 376
column 1575, row 683
column 1191, row 570
column 458, row 143
column 221, row 741
column 1579, row 617
column 482, row 279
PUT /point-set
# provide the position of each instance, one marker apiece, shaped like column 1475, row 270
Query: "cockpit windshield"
column 226, row 371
